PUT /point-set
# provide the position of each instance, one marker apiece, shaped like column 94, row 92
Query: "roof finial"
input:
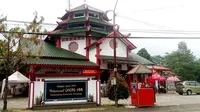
column 85, row 1
column 69, row 4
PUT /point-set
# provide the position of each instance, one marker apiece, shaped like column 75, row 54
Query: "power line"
column 160, row 8
column 10, row 24
column 136, row 37
column 161, row 31
column 123, row 30
column 135, row 30
column 148, row 23
column 16, row 21
column 175, row 31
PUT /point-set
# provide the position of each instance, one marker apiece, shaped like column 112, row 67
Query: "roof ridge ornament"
column 85, row 4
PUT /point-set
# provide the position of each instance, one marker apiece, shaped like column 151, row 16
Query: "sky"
column 163, row 18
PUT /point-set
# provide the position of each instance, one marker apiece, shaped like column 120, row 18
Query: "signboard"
column 65, row 90
column 65, row 71
column 90, row 71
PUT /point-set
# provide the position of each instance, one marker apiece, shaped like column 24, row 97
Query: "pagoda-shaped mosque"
column 85, row 30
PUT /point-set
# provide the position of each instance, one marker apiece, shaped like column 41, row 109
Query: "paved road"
column 180, row 108
column 165, row 100
column 162, row 100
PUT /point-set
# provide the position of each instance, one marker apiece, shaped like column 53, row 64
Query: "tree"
column 143, row 52
column 158, row 59
column 11, row 51
column 182, row 62
column 122, row 88
column 197, row 70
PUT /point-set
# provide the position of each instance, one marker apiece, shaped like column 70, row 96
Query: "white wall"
column 92, row 88
column 107, row 50
column 93, row 40
column 38, row 90
column 92, row 53
column 81, row 45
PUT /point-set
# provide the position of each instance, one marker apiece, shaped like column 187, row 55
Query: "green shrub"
column 122, row 88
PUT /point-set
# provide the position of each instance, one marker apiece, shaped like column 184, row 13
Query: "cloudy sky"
column 163, row 18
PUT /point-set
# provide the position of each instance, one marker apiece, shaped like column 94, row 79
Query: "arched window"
column 73, row 46
column 112, row 44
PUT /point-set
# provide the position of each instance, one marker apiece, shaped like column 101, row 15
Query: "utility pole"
column 69, row 4
column 114, row 43
column 114, row 80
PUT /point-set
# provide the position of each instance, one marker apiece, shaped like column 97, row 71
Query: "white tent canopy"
column 16, row 77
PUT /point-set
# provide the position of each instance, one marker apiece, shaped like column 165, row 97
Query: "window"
column 187, row 83
column 112, row 43
column 73, row 46
column 97, row 26
column 110, row 66
column 79, row 14
column 192, row 83
column 76, row 25
column 109, row 28
column 94, row 15
column 197, row 83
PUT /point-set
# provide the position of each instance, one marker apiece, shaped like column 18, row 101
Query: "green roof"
column 83, row 29
column 74, row 20
column 44, row 61
column 83, row 19
column 97, row 30
column 49, row 50
column 98, row 21
column 51, row 55
column 72, row 30
column 135, row 57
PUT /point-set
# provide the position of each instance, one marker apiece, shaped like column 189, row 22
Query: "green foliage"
column 158, row 59
column 90, row 98
column 182, row 62
column 122, row 88
column 143, row 52
column 12, row 56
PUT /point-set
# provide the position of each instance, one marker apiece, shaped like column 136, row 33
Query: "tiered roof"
column 61, row 29
column 51, row 55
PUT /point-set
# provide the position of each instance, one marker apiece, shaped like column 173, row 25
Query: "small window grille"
column 76, row 25
column 73, row 46
column 97, row 26
column 94, row 15
column 79, row 14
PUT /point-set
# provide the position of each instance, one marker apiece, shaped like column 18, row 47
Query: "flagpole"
column 69, row 4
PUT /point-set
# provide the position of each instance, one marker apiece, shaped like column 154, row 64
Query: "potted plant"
column 40, row 99
column 91, row 98
column 37, row 99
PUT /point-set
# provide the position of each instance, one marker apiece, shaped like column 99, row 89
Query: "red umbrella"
column 173, row 79
column 155, row 76
column 162, row 78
